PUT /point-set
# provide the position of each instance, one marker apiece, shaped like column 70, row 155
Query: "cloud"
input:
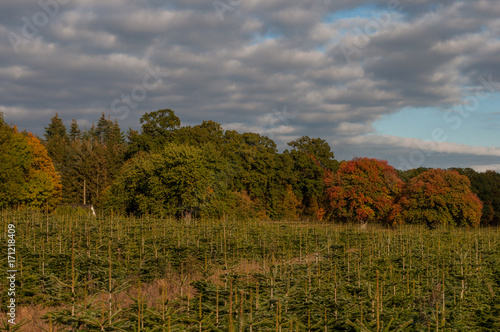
column 423, row 145
column 262, row 55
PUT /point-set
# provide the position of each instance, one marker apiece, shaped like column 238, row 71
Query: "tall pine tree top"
column 56, row 129
column 74, row 131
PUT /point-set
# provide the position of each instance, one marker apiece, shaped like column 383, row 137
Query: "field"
column 79, row 273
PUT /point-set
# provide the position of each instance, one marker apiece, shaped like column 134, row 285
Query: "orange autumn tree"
column 43, row 184
column 27, row 175
column 441, row 197
column 364, row 190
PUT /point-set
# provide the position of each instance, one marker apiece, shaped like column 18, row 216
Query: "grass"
column 76, row 272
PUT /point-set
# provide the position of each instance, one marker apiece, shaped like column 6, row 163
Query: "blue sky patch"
column 260, row 38
column 478, row 128
column 361, row 11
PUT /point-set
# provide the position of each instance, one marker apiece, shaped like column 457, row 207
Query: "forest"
column 204, row 229
column 166, row 169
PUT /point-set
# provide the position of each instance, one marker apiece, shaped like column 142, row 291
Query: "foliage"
column 307, row 180
column 86, row 161
column 43, row 183
column 249, row 178
column 411, row 173
column 157, row 129
column 207, row 132
column 487, row 187
column 27, row 174
column 127, row 273
column 290, row 204
column 441, row 197
column 364, row 190
column 181, row 180
column 16, row 160
column 74, row 132
column 318, row 148
column 57, row 140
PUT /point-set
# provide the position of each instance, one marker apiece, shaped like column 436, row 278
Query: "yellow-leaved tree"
column 27, row 175
column 43, row 183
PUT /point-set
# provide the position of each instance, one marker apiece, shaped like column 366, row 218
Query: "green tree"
column 16, row 161
column 318, row 148
column 157, row 128
column 104, row 129
column 92, row 159
column 102, row 153
column 74, row 131
column 208, row 132
column 307, row 179
column 56, row 141
column 27, row 174
column 259, row 166
column 180, row 180
column 56, row 129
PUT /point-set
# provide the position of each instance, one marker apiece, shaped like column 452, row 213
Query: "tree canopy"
column 441, row 197
column 27, row 174
column 364, row 190
column 180, row 180
column 204, row 170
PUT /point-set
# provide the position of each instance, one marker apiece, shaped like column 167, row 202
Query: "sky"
column 413, row 82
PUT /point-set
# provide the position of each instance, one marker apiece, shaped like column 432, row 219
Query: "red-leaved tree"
column 364, row 190
column 441, row 197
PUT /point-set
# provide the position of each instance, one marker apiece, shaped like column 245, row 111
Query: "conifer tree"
column 56, row 141
column 74, row 132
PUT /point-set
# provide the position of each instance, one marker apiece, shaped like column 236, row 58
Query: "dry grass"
column 172, row 286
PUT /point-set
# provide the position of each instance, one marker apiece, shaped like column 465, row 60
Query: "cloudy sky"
column 410, row 81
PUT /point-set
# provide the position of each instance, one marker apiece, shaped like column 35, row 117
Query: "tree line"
column 206, row 171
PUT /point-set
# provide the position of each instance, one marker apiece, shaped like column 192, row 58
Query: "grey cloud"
column 230, row 71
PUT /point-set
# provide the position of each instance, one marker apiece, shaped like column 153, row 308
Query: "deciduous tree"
column 364, row 190
column 43, row 183
column 15, row 162
column 318, row 148
column 180, row 180
column 157, row 128
column 441, row 197
column 27, row 174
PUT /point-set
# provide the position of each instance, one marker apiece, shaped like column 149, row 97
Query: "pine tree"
column 55, row 129
column 56, row 141
column 100, row 155
column 74, row 132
